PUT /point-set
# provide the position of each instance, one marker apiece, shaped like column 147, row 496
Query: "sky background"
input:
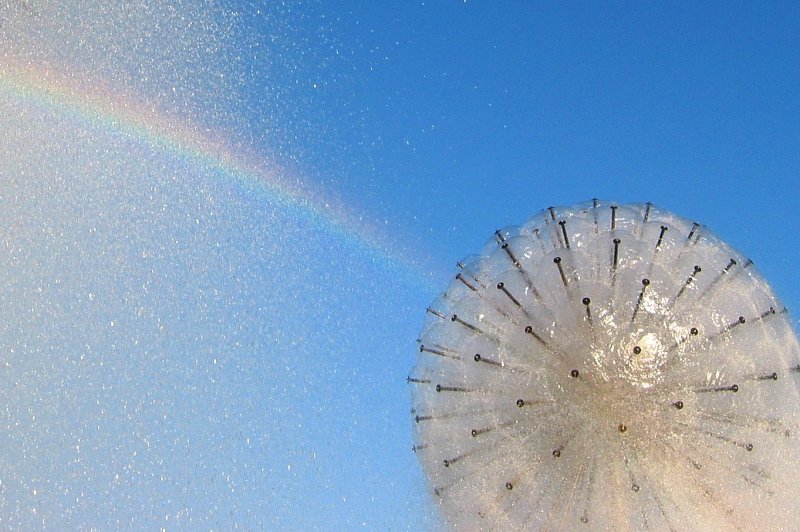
column 222, row 223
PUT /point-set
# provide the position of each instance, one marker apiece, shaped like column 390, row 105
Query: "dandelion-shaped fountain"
column 609, row 366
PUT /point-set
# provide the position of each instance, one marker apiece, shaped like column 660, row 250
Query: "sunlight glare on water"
column 174, row 335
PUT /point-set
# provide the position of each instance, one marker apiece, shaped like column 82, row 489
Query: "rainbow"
column 111, row 109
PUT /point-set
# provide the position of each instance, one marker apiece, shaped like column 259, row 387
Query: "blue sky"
column 272, row 393
column 467, row 116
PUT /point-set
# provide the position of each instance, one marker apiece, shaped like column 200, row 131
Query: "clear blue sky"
column 273, row 393
column 451, row 118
